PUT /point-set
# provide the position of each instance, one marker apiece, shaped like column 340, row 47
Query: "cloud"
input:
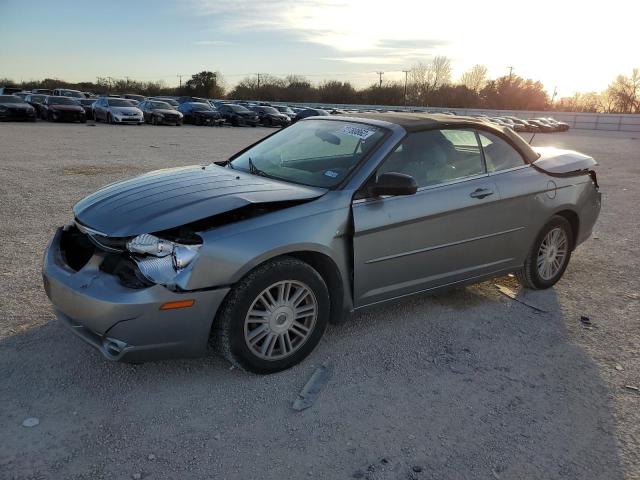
column 357, row 31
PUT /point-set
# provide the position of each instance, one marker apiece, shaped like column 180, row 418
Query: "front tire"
column 549, row 256
column 274, row 317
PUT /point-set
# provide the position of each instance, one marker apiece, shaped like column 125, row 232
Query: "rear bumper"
column 127, row 324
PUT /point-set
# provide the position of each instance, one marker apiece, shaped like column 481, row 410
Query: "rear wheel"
column 549, row 257
column 274, row 317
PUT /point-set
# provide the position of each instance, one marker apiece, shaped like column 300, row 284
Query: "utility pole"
column 510, row 72
column 406, row 72
column 180, row 77
column 380, row 74
column 555, row 92
column 258, row 80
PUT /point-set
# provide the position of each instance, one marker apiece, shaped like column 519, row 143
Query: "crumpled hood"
column 173, row 197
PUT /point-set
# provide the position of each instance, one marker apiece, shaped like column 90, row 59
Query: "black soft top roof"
column 415, row 122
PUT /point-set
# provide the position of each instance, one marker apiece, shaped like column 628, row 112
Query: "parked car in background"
column 160, row 113
column 560, row 126
column 188, row 98
column 62, row 109
column 87, row 104
column 200, row 113
column 42, row 91
column 286, row 110
column 331, row 215
column 15, row 108
column 65, row 92
column 9, row 90
column 270, row 117
column 22, row 94
column 133, row 96
column 36, row 100
column 312, row 112
column 116, row 110
column 523, row 125
column 132, row 102
column 237, row 115
column 171, row 101
column 542, row 125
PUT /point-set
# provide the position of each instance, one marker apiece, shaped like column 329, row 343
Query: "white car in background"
column 116, row 110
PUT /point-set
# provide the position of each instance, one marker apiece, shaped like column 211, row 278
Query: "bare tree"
column 424, row 78
column 475, row 78
column 625, row 92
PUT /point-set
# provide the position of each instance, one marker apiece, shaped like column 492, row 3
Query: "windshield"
column 62, row 101
column 164, row 105
column 199, row 107
column 239, row 109
column 10, row 99
column 314, row 152
column 118, row 102
column 86, row 101
column 72, row 93
column 284, row 109
column 37, row 98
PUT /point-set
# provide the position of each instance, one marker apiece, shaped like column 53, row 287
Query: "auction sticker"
column 361, row 132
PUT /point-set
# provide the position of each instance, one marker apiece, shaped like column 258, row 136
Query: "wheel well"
column 574, row 221
column 331, row 275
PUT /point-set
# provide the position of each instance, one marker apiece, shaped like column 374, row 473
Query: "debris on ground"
column 632, row 387
column 30, row 422
column 311, row 391
column 618, row 367
column 585, row 320
column 151, row 457
column 416, row 468
column 154, row 146
column 514, row 296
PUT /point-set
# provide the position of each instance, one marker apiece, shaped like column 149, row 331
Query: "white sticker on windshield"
column 361, row 132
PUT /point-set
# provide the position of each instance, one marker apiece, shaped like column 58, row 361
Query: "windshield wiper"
column 255, row 170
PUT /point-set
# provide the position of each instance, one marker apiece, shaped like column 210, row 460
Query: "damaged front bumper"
column 123, row 323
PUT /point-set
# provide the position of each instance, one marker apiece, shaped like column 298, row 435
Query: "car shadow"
column 465, row 384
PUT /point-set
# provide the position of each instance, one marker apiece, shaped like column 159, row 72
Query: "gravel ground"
column 464, row 385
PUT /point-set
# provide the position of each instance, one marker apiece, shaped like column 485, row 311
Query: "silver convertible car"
column 257, row 254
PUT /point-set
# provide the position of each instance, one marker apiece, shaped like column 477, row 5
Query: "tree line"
column 427, row 84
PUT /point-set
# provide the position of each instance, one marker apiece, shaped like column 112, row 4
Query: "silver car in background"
column 116, row 110
column 330, row 215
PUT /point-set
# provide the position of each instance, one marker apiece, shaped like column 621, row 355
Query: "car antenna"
column 531, row 139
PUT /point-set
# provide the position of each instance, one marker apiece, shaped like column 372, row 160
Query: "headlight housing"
column 160, row 260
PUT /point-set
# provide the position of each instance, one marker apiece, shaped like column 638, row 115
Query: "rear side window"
column 498, row 154
column 433, row 157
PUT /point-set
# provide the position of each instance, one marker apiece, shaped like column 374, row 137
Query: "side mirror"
column 393, row 183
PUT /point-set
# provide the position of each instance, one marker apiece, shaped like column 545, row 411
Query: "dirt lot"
column 464, row 385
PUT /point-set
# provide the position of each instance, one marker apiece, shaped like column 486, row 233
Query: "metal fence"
column 588, row 121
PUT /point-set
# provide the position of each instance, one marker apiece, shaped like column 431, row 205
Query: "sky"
column 571, row 45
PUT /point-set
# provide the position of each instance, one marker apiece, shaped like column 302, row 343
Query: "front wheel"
column 549, row 257
column 274, row 317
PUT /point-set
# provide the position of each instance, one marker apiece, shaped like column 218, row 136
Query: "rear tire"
column 295, row 320
column 549, row 256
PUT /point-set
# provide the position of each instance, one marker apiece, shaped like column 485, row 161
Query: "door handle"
column 481, row 193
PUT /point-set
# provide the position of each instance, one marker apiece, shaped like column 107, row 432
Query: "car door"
column 450, row 231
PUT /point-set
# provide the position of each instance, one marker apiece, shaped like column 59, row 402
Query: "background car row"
column 62, row 104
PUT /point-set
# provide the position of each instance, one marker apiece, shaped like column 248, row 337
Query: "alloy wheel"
column 280, row 320
column 552, row 253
